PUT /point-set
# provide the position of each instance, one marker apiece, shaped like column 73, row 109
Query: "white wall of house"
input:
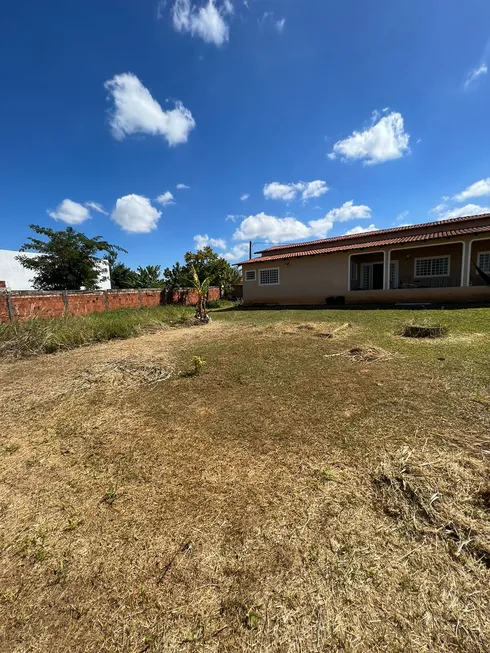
column 18, row 277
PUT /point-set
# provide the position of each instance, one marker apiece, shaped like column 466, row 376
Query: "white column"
column 348, row 273
column 464, row 265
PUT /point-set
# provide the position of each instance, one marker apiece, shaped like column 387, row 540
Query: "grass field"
column 302, row 493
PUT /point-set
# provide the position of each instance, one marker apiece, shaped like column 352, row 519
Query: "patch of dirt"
column 365, row 354
column 126, row 371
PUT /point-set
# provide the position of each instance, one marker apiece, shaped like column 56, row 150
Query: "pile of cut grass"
column 423, row 329
column 38, row 336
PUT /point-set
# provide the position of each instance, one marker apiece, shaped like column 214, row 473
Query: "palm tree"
column 149, row 277
column 201, row 288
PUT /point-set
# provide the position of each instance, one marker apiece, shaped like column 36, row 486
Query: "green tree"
column 122, row 276
column 149, row 277
column 208, row 264
column 176, row 276
column 68, row 260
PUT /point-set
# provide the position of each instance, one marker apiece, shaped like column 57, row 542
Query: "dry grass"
column 279, row 501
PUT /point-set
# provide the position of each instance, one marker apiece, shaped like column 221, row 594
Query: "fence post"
column 10, row 309
column 106, row 300
column 140, row 301
column 64, row 297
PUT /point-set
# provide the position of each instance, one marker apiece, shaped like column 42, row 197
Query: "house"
column 431, row 262
column 16, row 277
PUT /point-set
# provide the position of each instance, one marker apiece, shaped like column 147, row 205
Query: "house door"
column 372, row 276
column 378, row 271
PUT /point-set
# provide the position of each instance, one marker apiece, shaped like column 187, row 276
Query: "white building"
column 17, row 277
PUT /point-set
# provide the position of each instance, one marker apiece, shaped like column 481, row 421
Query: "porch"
column 419, row 270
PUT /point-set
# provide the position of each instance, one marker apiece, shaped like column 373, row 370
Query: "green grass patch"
column 40, row 336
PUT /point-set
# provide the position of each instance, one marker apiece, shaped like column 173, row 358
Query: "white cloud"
column 277, row 230
column 270, row 228
column 350, row 211
column 205, row 241
column 443, row 212
column 206, row 22
column 237, row 252
column 166, row 199
column 288, row 192
column 135, row 111
column 182, row 187
column 314, row 189
column 95, row 206
column 478, row 189
column 402, row 216
column 70, row 212
column 135, row 214
column 360, row 230
column 234, row 218
column 244, row 197
column 279, row 24
column 475, row 74
column 385, row 140
column 277, row 191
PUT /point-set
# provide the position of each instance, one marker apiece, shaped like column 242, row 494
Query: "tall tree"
column 68, row 260
column 176, row 276
column 210, row 265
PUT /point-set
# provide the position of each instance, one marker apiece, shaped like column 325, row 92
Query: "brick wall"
column 28, row 305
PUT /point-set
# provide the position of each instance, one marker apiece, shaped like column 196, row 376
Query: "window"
column 484, row 261
column 437, row 266
column 250, row 275
column 353, row 271
column 269, row 277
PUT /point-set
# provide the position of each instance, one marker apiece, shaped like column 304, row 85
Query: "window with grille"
column 250, row 275
column 484, row 261
column 437, row 266
column 269, row 277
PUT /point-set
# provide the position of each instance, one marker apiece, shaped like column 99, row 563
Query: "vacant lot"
column 303, row 493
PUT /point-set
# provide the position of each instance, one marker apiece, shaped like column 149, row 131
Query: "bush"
column 39, row 336
column 422, row 329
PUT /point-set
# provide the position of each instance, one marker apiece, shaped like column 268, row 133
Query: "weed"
column 12, row 448
column 198, row 363
column 252, row 620
column 110, row 495
column 325, row 475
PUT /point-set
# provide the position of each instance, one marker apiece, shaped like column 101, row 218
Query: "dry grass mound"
column 441, row 500
column 125, row 372
column 423, row 329
column 365, row 354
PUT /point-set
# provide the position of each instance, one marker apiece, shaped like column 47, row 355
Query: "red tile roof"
column 378, row 231
column 401, row 240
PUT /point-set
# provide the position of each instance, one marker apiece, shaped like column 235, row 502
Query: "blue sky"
column 109, row 105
